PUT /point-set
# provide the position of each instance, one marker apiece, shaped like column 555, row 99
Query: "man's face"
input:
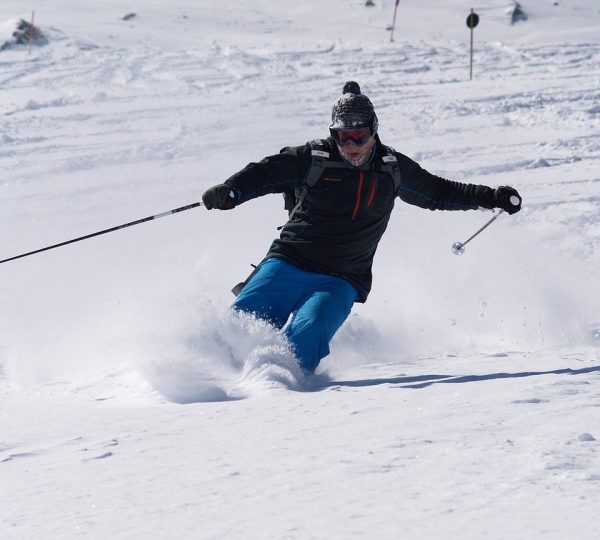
column 355, row 145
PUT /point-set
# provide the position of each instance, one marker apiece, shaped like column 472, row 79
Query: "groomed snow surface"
column 462, row 401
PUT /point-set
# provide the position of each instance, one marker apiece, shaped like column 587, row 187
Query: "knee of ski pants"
column 316, row 321
column 279, row 289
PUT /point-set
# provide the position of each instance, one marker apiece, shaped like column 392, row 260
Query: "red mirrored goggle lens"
column 357, row 136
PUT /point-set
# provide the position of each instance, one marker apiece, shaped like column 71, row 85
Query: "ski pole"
column 106, row 231
column 458, row 248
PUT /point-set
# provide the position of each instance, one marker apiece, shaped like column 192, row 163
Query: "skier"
column 340, row 192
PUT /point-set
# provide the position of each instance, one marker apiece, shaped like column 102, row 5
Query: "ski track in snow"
column 466, row 391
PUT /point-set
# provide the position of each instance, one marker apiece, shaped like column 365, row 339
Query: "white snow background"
column 461, row 401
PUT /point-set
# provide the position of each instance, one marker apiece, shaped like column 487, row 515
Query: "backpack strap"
column 319, row 162
column 391, row 166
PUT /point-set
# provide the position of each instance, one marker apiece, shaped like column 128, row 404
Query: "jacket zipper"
column 373, row 191
column 361, row 177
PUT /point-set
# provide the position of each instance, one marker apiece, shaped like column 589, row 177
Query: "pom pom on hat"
column 351, row 87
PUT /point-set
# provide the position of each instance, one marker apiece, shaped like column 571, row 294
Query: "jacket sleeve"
column 421, row 188
column 274, row 174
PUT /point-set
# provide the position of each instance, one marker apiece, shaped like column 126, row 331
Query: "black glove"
column 508, row 199
column 221, row 196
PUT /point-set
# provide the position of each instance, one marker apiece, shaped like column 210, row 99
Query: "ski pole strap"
column 106, row 231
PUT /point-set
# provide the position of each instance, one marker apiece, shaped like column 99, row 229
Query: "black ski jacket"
column 344, row 215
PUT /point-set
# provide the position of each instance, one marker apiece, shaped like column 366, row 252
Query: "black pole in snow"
column 472, row 22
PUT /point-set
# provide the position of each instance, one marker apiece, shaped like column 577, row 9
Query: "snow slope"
column 461, row 401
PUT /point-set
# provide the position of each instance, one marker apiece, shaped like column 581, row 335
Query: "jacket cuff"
column 485, row 197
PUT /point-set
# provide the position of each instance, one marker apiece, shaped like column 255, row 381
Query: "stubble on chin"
column 359, row 162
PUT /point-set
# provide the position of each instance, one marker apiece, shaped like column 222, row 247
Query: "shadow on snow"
column 423, row 381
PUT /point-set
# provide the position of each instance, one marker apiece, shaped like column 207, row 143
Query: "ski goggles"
column 358, row 136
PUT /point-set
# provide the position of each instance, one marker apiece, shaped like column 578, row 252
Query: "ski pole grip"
column 514, row 200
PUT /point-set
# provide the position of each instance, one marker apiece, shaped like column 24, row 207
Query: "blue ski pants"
column 318, row 304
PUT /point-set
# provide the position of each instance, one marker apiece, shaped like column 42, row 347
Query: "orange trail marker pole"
column 394, row 21
column 31, row 30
